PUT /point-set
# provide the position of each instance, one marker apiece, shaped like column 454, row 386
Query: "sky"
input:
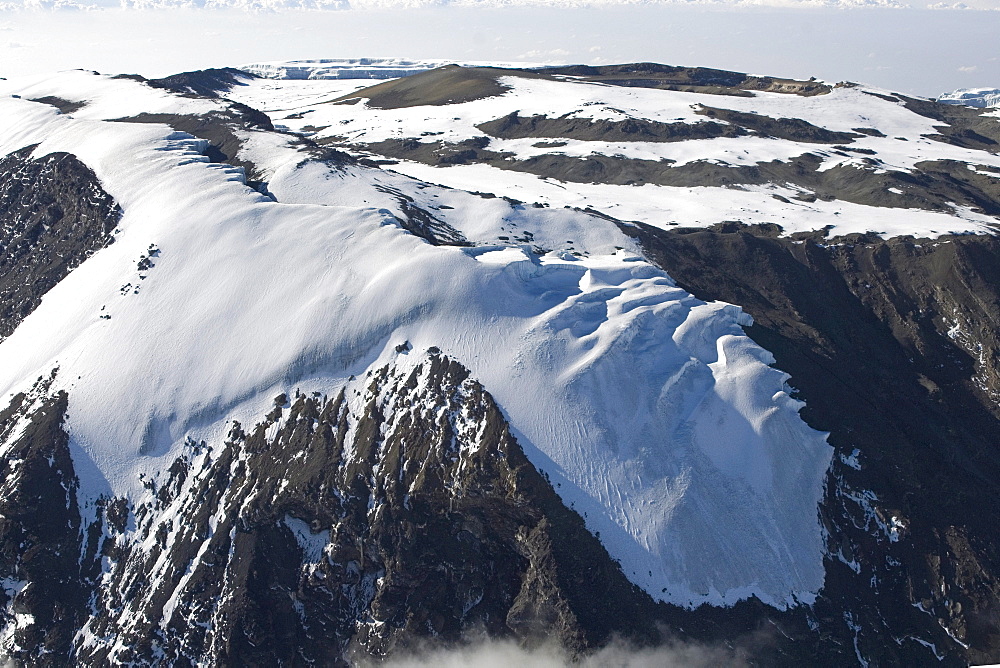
column 915, row 51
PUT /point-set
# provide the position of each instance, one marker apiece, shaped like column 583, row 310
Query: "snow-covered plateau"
column 660, row 420
column 892, row 140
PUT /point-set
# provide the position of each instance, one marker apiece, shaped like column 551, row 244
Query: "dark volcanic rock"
column 204, row 83
column 933, row 186
column 964, row 126
column 220, row 129
column 53, row 216
column 44, row 595
column 329, row 531
column 453, row 84
column 693, row 79
column 792, row 129
column 514, row 126
column 423, row 223
column 328, row 534
column 450, row 84
column 65, row 106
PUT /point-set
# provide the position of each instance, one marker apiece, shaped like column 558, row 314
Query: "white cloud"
column 503, row 654
column 544, row 55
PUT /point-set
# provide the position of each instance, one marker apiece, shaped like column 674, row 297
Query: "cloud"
column 551, row 54
column 968, row 68
column 505, row 653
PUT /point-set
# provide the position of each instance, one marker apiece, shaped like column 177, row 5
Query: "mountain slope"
column 910, row 495
column 307, row 406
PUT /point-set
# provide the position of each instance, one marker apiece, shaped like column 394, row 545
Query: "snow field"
column 653, row 414
column 842, row 110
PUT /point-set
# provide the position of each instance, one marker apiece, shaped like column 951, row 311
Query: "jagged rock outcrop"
column 44, row 577
column 402, row 508
column 54, row 214
column 203, row 83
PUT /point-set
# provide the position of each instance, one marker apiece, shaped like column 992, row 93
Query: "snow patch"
column 311, row 542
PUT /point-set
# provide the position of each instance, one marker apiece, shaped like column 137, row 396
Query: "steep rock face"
column 220, row 129
column 225, row 130
column 402, row 508
column 44, row 597
column 894, row 346
column 53, row 215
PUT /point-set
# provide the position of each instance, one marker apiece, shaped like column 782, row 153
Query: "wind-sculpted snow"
column 653, row 414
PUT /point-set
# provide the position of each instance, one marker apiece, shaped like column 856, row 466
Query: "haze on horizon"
column 915, row 51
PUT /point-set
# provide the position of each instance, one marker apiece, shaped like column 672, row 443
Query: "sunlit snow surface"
column 973, row 97
column 842, row 110
column 655, row 417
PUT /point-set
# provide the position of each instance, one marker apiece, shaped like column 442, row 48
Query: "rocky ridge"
column 307, row 538
column 53, row 216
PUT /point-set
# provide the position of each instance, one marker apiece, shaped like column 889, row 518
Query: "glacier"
column 354, row 68
column 653, row 414
column 973, row 97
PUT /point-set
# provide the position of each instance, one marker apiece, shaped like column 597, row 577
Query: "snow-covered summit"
column 424, row 353
column 653, row 414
